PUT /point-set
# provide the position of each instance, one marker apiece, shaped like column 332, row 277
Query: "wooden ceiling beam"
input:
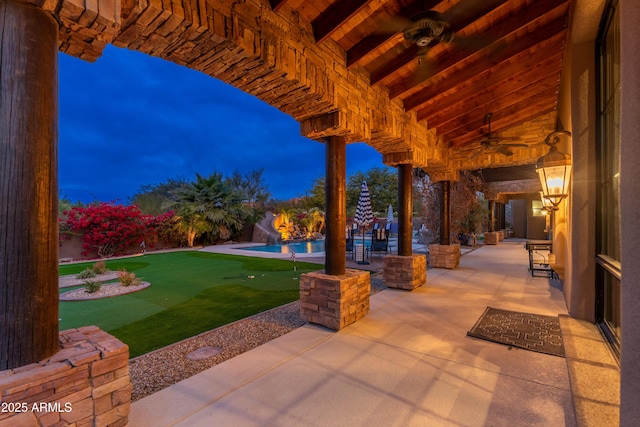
column 276, row 5
column 517, row 52
column 546, row 88
column 504, row 119
column 512, row 115
column 392, row 27
column 494, row 50
column 336, row 15
column 464, row 84
column 451, row 107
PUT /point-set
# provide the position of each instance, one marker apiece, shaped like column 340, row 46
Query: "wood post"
column 492, row 216
column 503, row 212
column 405, row 209
column 444, row 214
column 28, row 185
column 336, row 206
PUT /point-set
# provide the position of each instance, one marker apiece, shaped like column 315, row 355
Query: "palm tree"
column 209, row 205
column 314, row 220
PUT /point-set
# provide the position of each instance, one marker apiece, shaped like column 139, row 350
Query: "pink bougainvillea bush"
column 112, row 229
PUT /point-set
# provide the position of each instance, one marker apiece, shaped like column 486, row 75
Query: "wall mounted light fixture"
column 554, row 170
column 547, row 206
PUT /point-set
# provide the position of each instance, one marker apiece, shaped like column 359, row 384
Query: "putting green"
column 191, row 292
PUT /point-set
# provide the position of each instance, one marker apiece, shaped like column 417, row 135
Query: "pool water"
column 299, row 248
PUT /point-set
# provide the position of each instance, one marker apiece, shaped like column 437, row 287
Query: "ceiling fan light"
column 427, row 27
column 424, row 41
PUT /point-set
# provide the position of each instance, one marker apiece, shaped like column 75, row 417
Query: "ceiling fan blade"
column 394, row 25
column 489, row 141
column 515, row 145
column 506, row 138
column 476, row 154
column 502, row 150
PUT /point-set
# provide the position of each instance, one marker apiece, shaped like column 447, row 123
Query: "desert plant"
column 91, row 286
column 86, row 274
column 99, row 267
column 127, row 278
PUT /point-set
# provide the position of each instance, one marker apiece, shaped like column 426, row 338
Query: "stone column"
column 336, row 206
column 28, row 185
column 405, row 209
column 445, row 230
column 492, row 216
column 337, row 296
column 501, row 223
column 83, row 374
column 445, row 255
column 492, row 237
column 405, row 270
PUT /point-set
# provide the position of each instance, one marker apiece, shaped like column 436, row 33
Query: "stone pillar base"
column 405, row 272
column 491, row 238
column 85, row 383
column 501, row 235
column 444, row 256
column 334, row 301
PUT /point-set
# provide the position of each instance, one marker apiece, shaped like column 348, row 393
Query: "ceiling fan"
column 492, row 142
column 426, row 28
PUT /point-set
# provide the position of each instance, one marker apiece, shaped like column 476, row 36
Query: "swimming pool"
column 299, row 248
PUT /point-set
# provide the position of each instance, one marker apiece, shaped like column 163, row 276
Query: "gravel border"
column 71, row 280
column 161, row 368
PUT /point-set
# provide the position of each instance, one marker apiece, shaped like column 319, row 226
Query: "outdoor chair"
column 380, row 241
column 350, row 243
column 464, row 239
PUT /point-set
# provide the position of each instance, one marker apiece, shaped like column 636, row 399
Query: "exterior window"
column 536, row 207
column 608, row 214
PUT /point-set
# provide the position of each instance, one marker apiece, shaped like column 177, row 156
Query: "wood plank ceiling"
column 505, row 58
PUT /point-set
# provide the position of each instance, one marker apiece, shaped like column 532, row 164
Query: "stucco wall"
column 574, row 230
column 630, row 212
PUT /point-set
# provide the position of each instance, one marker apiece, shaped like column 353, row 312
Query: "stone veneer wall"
column 491, row 238
column 405, row 272
column 334, row 301
column 444, row 256
column 86, row 383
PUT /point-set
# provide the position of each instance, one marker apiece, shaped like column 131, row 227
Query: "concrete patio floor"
column 408, row 363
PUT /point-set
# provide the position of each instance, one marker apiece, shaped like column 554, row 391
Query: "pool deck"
column 375, row 261
column 408, row 363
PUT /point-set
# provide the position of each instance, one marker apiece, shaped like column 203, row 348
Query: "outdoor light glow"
column 547, row 206
column 555, row 185
column 554, row 171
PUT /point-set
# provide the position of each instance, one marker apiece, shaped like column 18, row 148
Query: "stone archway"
column 271, row 56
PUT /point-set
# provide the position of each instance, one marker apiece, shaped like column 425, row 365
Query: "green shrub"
column 99, row 267
column 92, row 286
column 127, row 278
column 86, row 274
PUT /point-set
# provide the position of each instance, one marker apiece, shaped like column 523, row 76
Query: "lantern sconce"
column 554, row 171
column 547, row 207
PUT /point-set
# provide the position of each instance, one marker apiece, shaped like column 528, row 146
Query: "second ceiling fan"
column 492, row 142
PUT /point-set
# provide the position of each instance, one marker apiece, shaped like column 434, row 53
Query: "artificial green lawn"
column 191, row 292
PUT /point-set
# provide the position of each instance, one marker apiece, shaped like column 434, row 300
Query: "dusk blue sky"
column 129, row 119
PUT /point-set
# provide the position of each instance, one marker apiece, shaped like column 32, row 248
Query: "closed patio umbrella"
column 364, row 215
column 389, row 218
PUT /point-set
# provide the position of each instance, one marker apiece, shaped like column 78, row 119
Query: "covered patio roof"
column 420, row 81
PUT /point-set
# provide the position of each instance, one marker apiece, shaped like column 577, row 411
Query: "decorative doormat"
column 524, row 330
